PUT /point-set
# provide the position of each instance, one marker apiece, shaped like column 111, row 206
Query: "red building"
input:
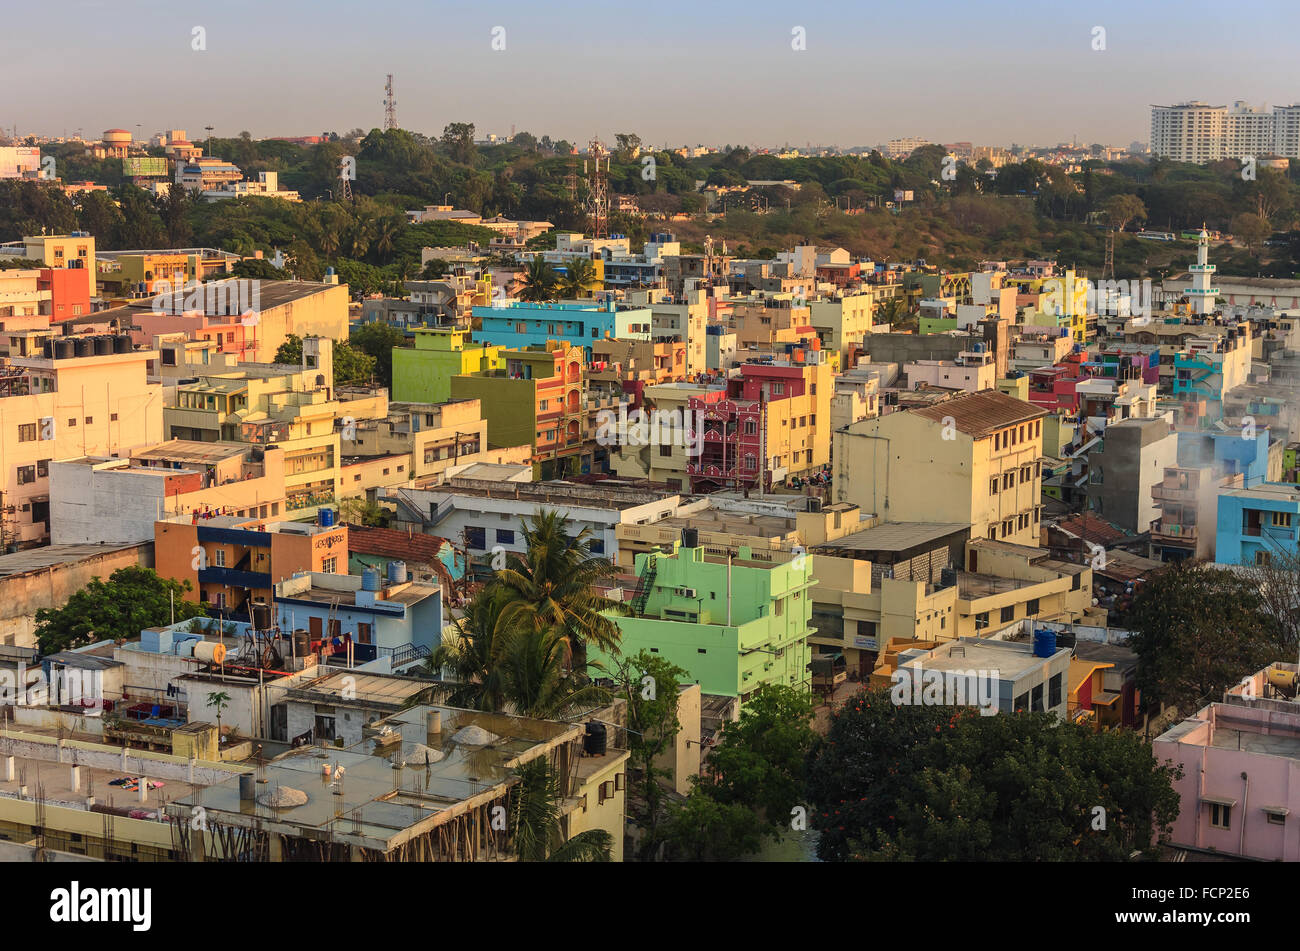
column 69, row 291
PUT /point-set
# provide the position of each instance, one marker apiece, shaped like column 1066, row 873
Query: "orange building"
column 231, row 561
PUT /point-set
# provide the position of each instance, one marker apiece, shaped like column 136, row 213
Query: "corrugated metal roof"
column 978, row 414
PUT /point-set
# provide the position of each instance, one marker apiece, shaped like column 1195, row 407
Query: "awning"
column 1219, row 800
column 1277, row 810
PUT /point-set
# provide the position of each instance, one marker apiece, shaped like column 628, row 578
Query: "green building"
column 422, row 374
column 733, row 624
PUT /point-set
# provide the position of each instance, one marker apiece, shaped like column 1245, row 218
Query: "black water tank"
column 63, row 349
column 84, row 347
column 47, row 348
column 122, row 343
column 301, row 643
column 261, row 616
column 103, row 346
column 690, row 538
column 593, row 744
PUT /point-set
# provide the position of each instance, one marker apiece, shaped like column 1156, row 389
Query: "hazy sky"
column 672, row 71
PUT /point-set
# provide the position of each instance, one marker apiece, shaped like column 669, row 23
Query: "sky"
column 711, row 72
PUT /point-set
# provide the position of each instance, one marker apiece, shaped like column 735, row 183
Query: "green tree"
column 474, row 652
column 219, row 700
column 1119, row 210
column 535, row 823
column 759, row 760
column 1251, row 230
column 1197, row 631
column 578, row 280
column 377, row 340
column 131, row 600
column 930, row 783
column 551, row 586
column 650, row 684
column 701, row 829
column 540, row 281
column 458, row 140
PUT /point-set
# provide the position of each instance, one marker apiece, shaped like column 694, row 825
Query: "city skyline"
column 1043, row 63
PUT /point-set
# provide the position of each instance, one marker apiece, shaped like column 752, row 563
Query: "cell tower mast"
column 598, row 178
column 390, row 105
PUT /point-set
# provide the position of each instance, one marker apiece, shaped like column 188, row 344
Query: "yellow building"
column 971, row 460
column 91, row 397
column 76, row 250
column 269, row 404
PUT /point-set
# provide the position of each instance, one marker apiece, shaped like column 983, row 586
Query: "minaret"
column 1202, row 295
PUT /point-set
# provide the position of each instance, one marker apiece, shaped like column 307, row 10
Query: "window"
column 1036, row 699
column 993, row 486
column 363, row 633
column 1022, row 702
column 112, row 417
column 1008, row 614
column 27, row 432
column 1220, row 816
column 475, row 537
column 72, row 422
column 219, row 558
column 89, row 420
column 596, row 546
column 1276, row 818
column 1031, row 607
column 26, row 474
column 1054, row 691
column 665, row 450
column 505, row 536
column 1282, row 519
column 328, row 565
column 42, row 468
column 981, row 620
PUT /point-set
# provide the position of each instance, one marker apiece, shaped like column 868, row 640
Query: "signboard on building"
column 144, row 166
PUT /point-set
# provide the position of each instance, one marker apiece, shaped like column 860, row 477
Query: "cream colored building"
column 64, row 407
column 973, row 459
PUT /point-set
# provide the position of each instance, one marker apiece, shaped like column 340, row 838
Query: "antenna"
column 598, row 203
column 390, row 105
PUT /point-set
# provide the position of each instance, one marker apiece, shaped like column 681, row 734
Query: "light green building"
column 422, row 374
column 732, row 624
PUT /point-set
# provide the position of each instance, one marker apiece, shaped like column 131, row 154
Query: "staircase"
column 645, row 583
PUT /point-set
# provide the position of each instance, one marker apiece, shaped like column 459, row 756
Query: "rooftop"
column 1009, row 659
column 897, row 536
column 979, row 414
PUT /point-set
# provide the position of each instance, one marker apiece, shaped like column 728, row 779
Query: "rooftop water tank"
column 397, row 572
column 370, row 580
column 593, row 744
column 1044, row 642
column 325, row 517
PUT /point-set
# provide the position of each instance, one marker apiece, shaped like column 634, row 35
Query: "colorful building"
column 772, row 424
column 231, row 562
column 535, row 397
column 732, row 622
column 422, row 374
column 1257, row 524
column 518, row 324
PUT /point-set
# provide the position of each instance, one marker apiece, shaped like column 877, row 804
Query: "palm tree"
column 536, row 827
column 539, row 281
column 537, row 683
column 577, row 280
column 386, row 232
column 550, row 586
column 474, row 656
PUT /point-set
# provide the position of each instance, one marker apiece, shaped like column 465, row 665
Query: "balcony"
column 1174, row 531
column 1175, row 492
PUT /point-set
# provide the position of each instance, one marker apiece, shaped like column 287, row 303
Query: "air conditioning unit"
column 686, row 592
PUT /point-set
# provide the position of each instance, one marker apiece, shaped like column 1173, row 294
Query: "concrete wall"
column 23, row 594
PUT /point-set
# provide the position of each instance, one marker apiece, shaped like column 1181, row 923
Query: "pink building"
column 1240, row 789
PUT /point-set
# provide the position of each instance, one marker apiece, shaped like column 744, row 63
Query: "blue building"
column 1227, row 453
column 1257, row 524
column 519, row 324
column 380, row 617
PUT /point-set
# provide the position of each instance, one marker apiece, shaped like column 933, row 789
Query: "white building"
column 1200, row 133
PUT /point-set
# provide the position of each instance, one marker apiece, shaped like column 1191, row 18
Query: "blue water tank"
column 397, row 572
column 1044, row 642
column 325, row 517
column 370, row 580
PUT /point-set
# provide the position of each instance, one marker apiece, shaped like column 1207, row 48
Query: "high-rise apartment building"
column 1200, row 133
